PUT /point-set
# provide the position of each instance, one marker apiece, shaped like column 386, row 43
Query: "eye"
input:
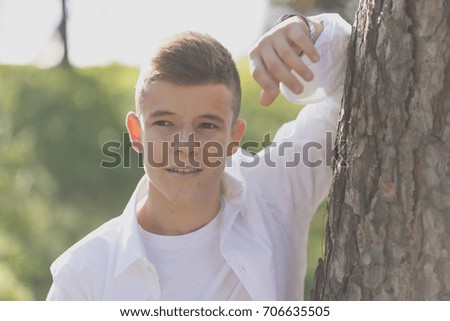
column 208, row 125
column 162, row 123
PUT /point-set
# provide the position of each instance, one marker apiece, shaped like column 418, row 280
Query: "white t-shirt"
column 191, row 267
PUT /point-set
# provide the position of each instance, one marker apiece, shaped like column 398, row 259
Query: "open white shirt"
column 267, row 207
column 190, row 266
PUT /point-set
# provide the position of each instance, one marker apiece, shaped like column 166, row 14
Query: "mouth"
column 184, row 170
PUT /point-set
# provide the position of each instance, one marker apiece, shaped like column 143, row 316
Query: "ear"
column 236, row 135
column 135, row 131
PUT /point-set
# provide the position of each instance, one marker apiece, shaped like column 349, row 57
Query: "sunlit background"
column 104, row 31
column 59, row 107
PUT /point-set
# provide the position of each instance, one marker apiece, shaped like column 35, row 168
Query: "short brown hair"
column 192, row 58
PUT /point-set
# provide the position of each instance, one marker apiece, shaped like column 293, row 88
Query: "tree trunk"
column 389, row 213
column 62, row 29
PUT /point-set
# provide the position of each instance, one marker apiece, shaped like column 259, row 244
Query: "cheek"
column 213, row 154
column 156, row 152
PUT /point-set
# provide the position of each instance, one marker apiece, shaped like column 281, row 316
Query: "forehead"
column 186, row 100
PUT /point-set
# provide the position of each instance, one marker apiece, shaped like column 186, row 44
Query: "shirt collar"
column 232, row 193
column 130, row 247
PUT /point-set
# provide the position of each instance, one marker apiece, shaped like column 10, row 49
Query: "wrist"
column 311, row 28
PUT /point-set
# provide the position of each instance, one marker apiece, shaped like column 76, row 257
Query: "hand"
column 277, row 53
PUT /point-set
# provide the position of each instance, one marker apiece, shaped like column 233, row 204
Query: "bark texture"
column 389, row 213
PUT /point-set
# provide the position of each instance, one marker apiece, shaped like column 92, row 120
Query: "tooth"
column 179, row 170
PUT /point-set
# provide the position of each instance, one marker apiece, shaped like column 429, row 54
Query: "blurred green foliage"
column 53, row 191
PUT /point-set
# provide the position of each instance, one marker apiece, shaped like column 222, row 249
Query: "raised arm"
column 302, row 149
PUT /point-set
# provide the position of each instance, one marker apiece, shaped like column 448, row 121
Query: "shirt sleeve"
column 295, row 171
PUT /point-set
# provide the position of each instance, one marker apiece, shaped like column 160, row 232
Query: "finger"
column 288, row 54
column 267, row 97
column 298, row 37
column 280, row 72
column 261, row 75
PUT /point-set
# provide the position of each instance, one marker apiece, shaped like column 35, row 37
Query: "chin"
column 182, row 191
column 184, row 197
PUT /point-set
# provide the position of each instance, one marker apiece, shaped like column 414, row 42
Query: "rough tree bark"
column 389, row 212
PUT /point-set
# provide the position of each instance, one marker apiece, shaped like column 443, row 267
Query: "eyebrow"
column 213, row 117
column 158, row 113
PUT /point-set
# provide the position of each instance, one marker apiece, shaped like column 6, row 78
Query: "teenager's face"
column 187, row 133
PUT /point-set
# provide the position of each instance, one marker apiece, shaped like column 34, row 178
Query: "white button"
column 242, row 268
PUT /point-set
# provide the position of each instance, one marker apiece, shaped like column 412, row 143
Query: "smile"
column 183, row 170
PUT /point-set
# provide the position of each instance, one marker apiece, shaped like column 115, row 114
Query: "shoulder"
column 93, row 250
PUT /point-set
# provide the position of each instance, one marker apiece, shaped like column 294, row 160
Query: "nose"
column 185, row 140
column 185, row 147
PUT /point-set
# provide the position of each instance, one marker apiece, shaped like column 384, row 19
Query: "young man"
column 207, row 222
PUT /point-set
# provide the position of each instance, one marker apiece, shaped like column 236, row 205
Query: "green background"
column 53, row 124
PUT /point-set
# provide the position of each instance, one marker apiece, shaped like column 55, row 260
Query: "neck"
column 162, row 216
